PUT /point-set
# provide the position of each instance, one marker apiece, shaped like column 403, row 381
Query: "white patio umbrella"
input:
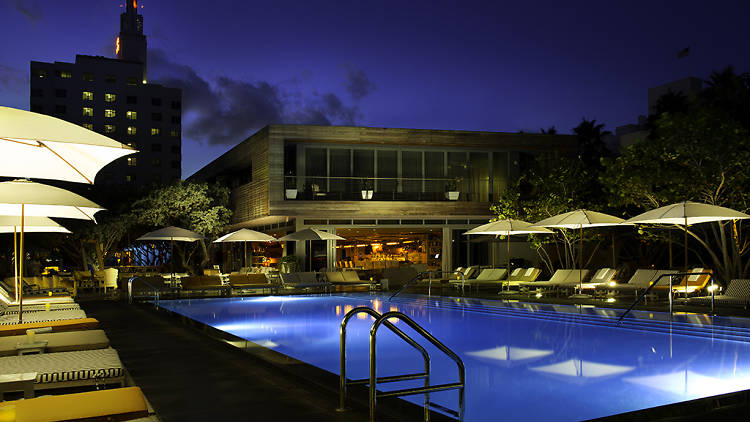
column 687, row 213
column 579, row 219
column 310, row 234
column 245, row 235
column 508, row 227
column 44, row 147
column 24, row 198
column 172, row 234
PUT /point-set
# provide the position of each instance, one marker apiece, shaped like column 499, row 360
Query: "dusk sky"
column 470, row 65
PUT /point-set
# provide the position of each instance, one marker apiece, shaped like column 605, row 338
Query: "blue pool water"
column 523, row 361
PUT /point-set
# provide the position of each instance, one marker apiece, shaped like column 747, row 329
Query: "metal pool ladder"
column 372, row 380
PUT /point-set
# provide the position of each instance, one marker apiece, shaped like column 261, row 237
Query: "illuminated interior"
column 372, row 249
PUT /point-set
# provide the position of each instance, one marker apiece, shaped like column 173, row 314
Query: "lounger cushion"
column 351, row 276
column 57, row 326
column 119, row 403
column 66, row 366
column 43, row 316
column 335, row 277
column 58, row 342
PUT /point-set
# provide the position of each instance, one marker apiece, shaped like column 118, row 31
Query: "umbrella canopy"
column 12, row 224
column 52, row 148
column 172, row 233
column 245, row 235
column 508, row 227
column 579, row 219
column 686, row 213
column 40, row 200
column 310, row 234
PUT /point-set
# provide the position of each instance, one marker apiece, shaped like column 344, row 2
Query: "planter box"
column 291, row 193
column 452, row 195
column 367, row 194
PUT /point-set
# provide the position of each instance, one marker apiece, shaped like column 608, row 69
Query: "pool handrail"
column 671, row 293
column 132, row 279
column 416, row 277
column 342, row 356
column 460, row 385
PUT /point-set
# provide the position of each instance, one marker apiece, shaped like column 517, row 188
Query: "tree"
column 200, row 207
column 591, row 147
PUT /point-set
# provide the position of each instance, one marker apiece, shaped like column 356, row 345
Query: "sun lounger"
column 488, row 277
column 201, row 284
column 36, row 307
column 303, row 280
column 57, row 326
column 118, row 404
column 639, row 282
column 520, row 275
column 560, row 280
column 57, row 342
column 737, row 294
column 68, row 369
column 250, row 281
column 42, row 316
column 690, row 284
column 601, row 277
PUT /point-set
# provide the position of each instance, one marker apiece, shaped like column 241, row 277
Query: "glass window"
column 156, row 162
column 387, row 171
column 341, row 168
column 457, row 167
column 411, row 171
column 132, row 115
column 132, row 80
column 434, row 171
column 156, row 102
column 109, row 97
column 110, row 78
column 156, row 117
column 39, row 73
column 65, row 74
column 61, row 93
column 131, row 130
column 89, row 126
column 175, row 149
column 499, row 174
column 155, row 131
column 132, row 99
column 156, row 147
column 364, row 163
column 176, row 120
column 60, row 109
column 175, row 164
column 88, row 111
column 37, row 108
column 176, row 105
column 131, row 145
column 478, row 185
column 109, row 128
column 87, row 96
column 130, row 178
column 316, row 164
column 131, row 161
column 175, row 133
column 87, row 76
column 109, row 112
column 35, row 92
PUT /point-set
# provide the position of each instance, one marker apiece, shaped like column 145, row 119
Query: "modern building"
column 113, row 97
column 393, row 194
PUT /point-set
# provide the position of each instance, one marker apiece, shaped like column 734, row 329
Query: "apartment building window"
column 88, row 111
column 61, row 93
column 89, row 126
column 156, row 147
column 156, row 102
column 131, row 115
column 36, row 93
column 110, row 98
column 156, row 162
column 60, row 109
column 40, row 73
column 87, row 76
column 64, row 74
column 176, row 120
column 176, row 105
column 132, row 99
column 156, row 178
column 131, row 144
column 131, row 130
column 37, row 108
column 131, row 161
column 156, row 117
column 175, row 164
column 109, row 112
column 155, row 131
column 109, row 128
column 175, row 149
column 174, row 133
column 130, row 178
column 132, row 80
column 87, row 96
column 110, row 79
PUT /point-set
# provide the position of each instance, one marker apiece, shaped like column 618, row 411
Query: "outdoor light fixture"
column 392, row 243
column 611, row 300
column 712, row 287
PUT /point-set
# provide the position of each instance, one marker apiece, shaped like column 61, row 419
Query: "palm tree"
column 729, row 92
column 591, row 147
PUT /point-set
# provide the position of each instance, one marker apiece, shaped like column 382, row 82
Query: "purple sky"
column 499, row 66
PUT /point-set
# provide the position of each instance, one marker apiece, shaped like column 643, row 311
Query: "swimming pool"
column 523, row 361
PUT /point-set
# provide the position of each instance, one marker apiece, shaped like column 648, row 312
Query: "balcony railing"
column 384, row 189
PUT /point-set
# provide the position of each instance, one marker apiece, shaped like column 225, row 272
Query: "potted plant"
column 289, row 264
column 451, row 189
column 367, row 188
column 290, row 186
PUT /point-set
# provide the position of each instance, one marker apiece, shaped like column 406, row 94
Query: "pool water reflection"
column 521, row 364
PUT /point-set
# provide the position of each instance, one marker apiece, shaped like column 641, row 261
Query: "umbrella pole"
column 580, row 263
column 508, row 257
column 20, row 273
column 686, row 248
column 15, row 261
column 244, row 258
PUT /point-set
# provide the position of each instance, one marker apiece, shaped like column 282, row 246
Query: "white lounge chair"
column 43, row 316
column 737, row 294
column 57, row 342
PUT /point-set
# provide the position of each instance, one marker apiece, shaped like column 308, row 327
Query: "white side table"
column 17, row 382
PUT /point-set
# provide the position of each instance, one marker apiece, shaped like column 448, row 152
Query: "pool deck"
column 190, row 376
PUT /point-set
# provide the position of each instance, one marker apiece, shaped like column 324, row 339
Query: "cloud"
column 13, row 80
column 29, row 9
column 357, row 83
column 228, row 110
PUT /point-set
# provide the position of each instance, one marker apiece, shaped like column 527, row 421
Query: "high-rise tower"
column 131, row 44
